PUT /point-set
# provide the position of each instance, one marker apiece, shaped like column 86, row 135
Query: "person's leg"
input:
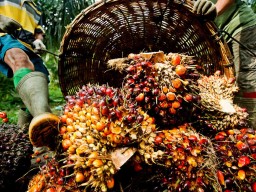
column 32, row 87
column 245, row 65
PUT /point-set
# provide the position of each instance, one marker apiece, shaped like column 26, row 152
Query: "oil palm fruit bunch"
column 188, row 157
column 236, row 151
column 217, row 109
column 171, row 89
column 158, row 83
column 95, row 122
column 53, row 178
column 15, row 155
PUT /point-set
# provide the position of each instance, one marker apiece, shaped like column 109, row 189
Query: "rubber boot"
column 24, row 118
column 33, row 90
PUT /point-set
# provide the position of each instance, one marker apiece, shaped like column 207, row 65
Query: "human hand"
column 8, row 25
column 205, row 8
column 38, row 45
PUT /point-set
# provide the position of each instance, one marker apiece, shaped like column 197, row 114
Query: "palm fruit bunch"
column 171, row 89
column 236, row 151
column 158, row 83
column 186, row 155
column 15, row 156
column 217, row 108
column 96, row 122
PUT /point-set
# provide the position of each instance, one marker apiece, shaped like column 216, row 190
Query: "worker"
column 237, row 23
column 21, row 39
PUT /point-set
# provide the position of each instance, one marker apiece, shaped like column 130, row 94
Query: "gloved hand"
column 38, row 45
column 205, row 8
column 8, row 25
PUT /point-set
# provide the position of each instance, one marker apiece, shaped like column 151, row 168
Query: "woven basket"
column 115, row 28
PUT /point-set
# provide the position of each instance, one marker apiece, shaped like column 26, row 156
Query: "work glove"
column 205, row 8
column 38, row 46
column 8, row 25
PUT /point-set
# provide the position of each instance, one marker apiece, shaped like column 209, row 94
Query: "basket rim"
column 228, row 66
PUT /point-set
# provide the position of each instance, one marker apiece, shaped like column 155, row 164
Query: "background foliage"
column 57, row 15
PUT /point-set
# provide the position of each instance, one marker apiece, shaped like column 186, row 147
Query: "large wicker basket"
column 115, row 28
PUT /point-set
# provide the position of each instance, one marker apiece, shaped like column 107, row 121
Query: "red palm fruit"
column 110, row 183
column 140, row 97
column 109, row 91
column 105, row 110
column 176, row 104
column 155, row 91
column 241, row 174
column 241, row 145
column 251, row 142
column 188, row 97
column 3, row 115
column 254, row 186
column 90, row 91
column 192, row 138
column 51, row 189
column 220, row 177
column 172, row 111
column 117, row 138
column 140, row 118
column 222, row 133
column 5, row 120
column 158, row 140
column 146, row 89
column 100, row 126
column 180, row 70
column 130, row 68
column 137, row 167
column 60, row 181
column 161, row 97
column 119, row 114
column 176, row 83
column 243, row 161
column 253, row 149
column 163, row 104
column 230, row 132
column 219, row 137
column 172, row 89
column 176, row 59
column 253, row 156
column 79, row 177
column 203, row 141
column 165, row 89
column 170, row 96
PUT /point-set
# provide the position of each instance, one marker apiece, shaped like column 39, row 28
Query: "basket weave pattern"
column 116, row 28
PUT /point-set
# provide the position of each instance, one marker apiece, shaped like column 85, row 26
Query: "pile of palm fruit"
column 15, row 157
column 168, row 128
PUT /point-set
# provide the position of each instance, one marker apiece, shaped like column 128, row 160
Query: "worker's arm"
column 222, row 6
column 38, row 43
